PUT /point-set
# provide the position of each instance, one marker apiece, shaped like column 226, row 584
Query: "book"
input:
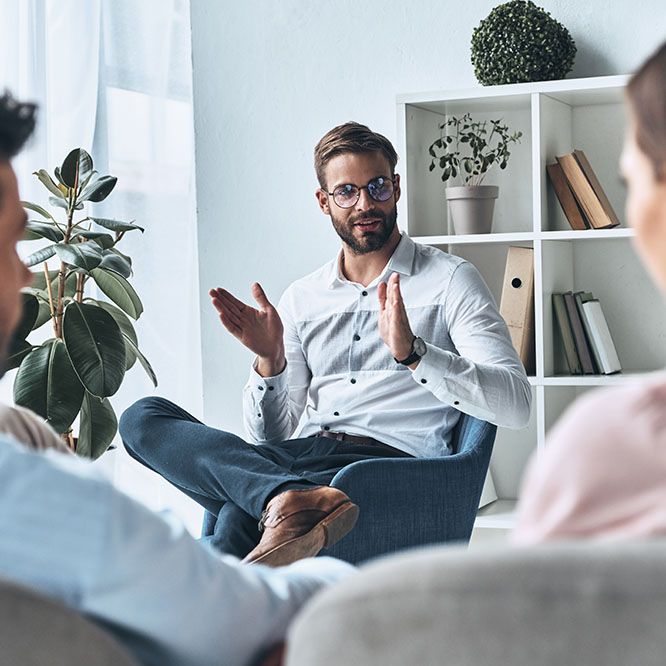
column 600, row 334
column 596, row 185
column 565, row 196
column 567, row 334
column 517, row 303
column 582, row 297
column 584, row 193
column 582, row 346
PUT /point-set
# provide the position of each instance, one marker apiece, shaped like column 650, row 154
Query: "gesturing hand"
column 260, row 330
column 394, row 328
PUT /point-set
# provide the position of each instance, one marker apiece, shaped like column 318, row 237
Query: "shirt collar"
column 401, row 261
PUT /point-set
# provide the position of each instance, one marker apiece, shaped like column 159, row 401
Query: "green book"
column 567, row 334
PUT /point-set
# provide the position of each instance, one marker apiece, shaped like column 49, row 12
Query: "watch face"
column 420, row 347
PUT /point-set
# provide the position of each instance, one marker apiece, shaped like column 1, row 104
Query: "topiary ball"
column 520, row 42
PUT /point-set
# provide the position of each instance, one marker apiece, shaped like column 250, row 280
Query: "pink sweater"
column 603, row 471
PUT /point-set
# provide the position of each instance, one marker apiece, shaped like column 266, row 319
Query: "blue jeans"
column 229, row 477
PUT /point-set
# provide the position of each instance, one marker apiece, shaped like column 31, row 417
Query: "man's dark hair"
column 17, row 121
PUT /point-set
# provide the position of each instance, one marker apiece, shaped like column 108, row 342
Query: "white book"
column 600, row 337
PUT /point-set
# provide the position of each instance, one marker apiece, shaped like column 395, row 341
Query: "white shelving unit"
column 555, row 117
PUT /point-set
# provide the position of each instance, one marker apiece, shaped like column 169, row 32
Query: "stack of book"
column 580, row 194
column 588, row 345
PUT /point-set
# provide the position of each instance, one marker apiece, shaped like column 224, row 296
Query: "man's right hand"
column 260, row 330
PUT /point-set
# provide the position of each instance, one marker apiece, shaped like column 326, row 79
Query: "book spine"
column 565, row 196
column 596, row 359
column 567, row 334
column 584, row 192
column 601, row 333
column 579, row 334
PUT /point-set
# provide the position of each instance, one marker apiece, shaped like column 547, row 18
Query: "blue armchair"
column 408, row 502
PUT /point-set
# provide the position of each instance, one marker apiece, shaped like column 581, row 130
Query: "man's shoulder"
column 427, row 257
column 310, row 285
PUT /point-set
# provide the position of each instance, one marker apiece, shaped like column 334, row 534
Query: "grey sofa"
column 583, row 604
column 35, row 631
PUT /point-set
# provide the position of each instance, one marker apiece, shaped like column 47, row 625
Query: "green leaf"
column 60, row 203
column 96, row 347
column 97, row 427
column 36, row 230
column 143, row 360
column 18, row 350
column 47, row 384
column 113, row 262
column 47, row 181
column 105, row 241
column 76, row 167
column 119, row 290
column 29, row 314
column 116, row 225
column 126, row 328
column 39, row 279
column 99, row 189
column 86, row 255
column 44, row 314
column 40, row 255
column 37, row 209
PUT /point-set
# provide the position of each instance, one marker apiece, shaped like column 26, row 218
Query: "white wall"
column 272, row 76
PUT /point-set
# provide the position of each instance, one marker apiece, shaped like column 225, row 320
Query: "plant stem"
column 80, row 281
column 50, row 293
column 63, row 269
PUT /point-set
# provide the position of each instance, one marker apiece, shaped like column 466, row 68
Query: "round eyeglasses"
column 379, row 189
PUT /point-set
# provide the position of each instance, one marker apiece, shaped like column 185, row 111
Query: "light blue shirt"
column 68, row 533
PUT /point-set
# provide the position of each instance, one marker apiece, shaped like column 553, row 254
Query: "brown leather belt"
column 345, row 437
column 356, row 439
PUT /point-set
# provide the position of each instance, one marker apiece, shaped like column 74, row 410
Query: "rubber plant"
column 73, row 373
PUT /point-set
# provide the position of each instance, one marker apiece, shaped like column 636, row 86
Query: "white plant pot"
column 471, row 208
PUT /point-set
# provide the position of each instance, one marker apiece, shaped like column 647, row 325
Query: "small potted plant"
column 73, row 373
column 465, row 151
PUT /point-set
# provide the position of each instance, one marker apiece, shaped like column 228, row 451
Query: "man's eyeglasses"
column 379, row 189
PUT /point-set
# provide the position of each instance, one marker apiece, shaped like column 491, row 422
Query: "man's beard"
column 370, row 241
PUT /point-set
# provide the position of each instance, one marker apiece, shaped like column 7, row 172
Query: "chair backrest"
column 35, row 630
column 585, row 603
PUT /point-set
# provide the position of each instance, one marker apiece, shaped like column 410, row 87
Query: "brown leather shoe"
column 299, row 523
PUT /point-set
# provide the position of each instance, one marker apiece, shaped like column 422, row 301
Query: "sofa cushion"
column 581, row 603
column 36, row 631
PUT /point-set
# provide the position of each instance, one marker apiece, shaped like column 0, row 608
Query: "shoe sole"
column 325, row 533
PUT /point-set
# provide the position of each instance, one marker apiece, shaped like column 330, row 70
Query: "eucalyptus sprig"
column 94, row 342
column 466, row 149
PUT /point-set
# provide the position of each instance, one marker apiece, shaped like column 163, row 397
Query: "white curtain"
column 114, row 77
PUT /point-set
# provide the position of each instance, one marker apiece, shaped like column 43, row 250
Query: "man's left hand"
column 394, row 328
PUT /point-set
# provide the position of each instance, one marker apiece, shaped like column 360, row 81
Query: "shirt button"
column 327, row 427
column 456, row 402
column 364, row 293
column 270, row 388
column 352, row 380
column 336, row 413
column 259, row 415
column 261, row 388
column 357, row 337
column 424, row 381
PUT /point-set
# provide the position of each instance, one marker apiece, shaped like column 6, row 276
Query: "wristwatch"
column 418, row 350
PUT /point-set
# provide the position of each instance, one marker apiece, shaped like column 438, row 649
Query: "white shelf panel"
column 587, row 234
column 590, row 380
column 475, row 238
column 526, row 237
column 501, row 514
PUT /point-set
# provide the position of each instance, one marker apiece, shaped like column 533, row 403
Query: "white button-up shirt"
column 69, row 534
column 341, row 376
